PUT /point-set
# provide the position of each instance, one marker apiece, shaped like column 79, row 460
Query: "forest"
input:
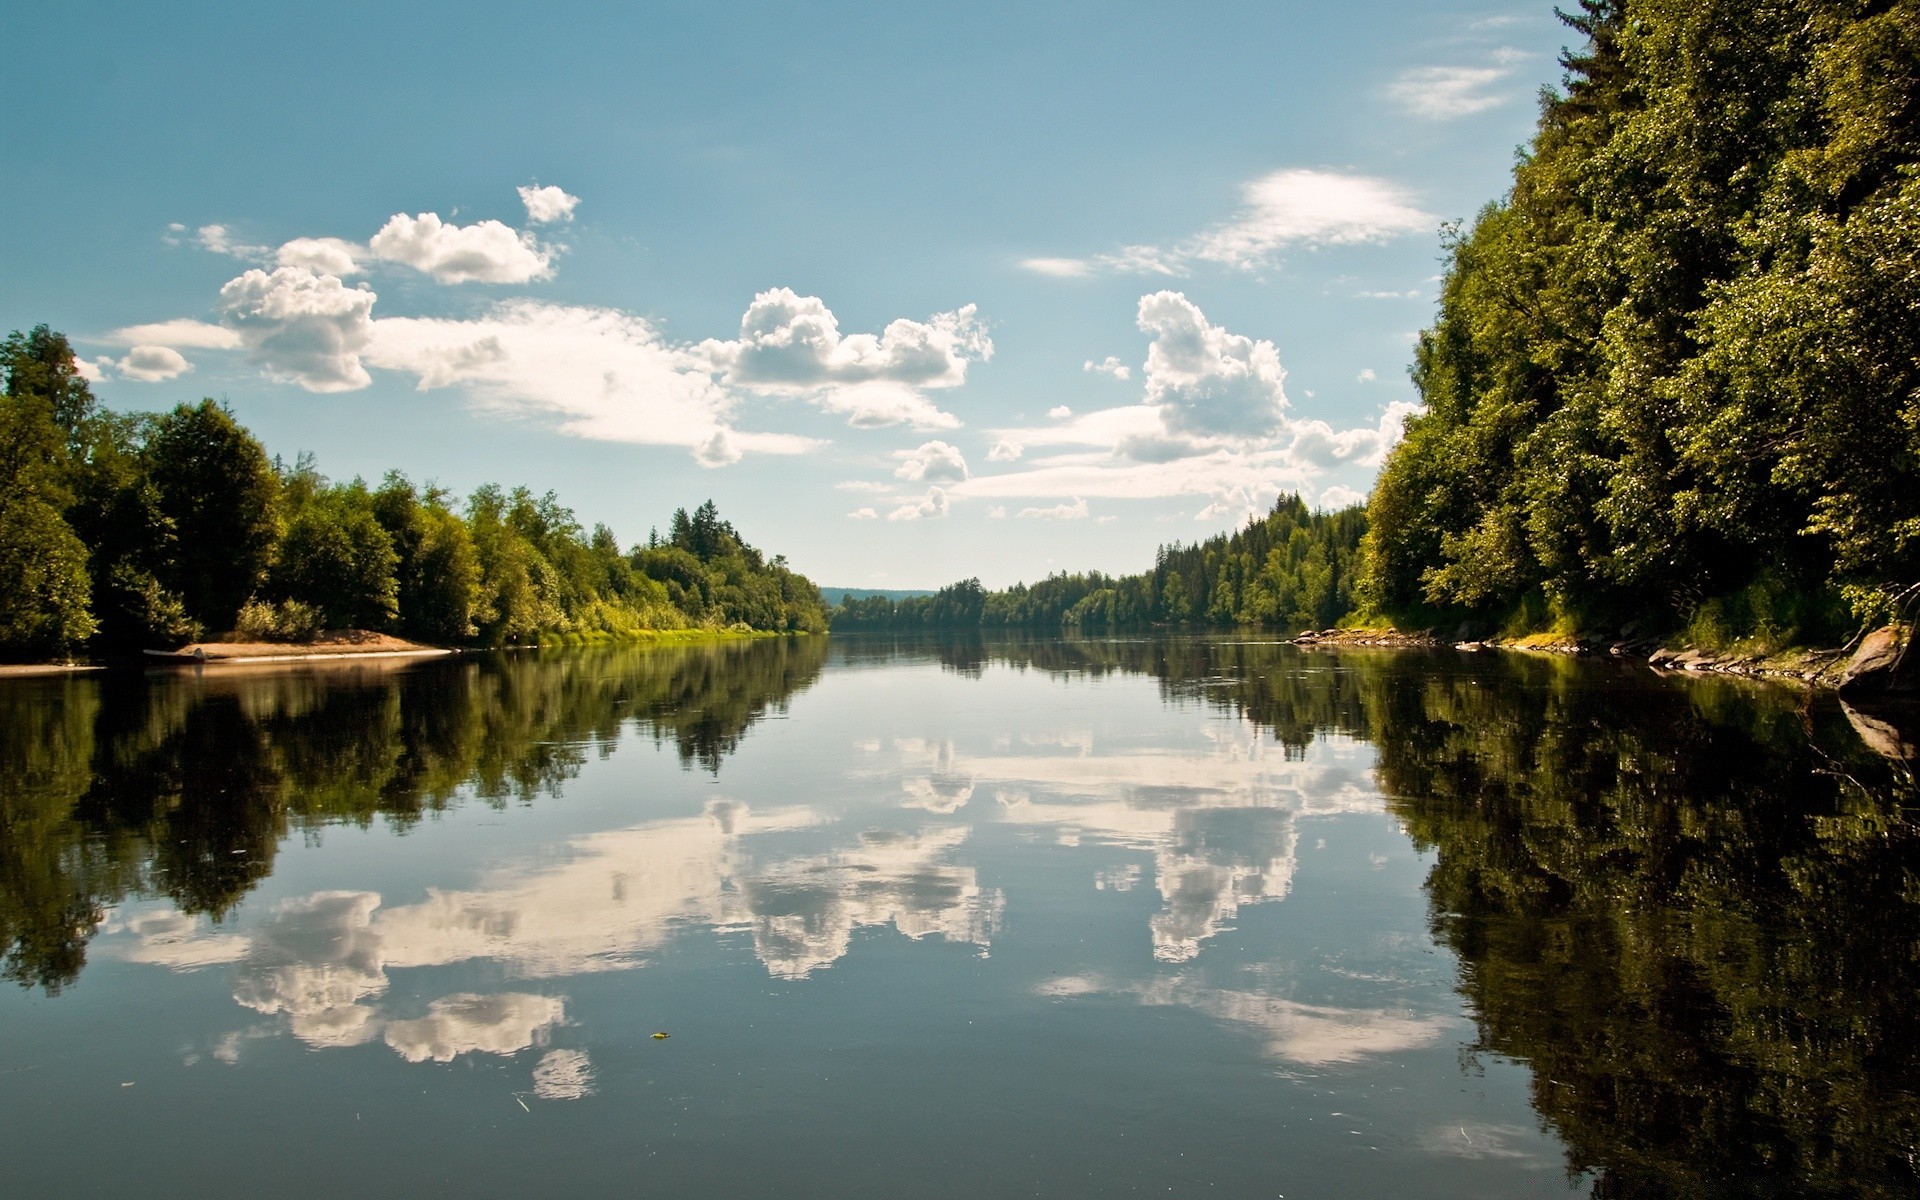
column 1292, row 568
column 1674, row 377
column 123, row 532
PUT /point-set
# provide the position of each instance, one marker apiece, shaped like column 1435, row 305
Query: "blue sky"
column 913, row 292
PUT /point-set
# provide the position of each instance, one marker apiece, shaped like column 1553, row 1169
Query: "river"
column 966, row 918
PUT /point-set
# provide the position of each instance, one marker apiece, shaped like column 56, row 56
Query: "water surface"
column 1055, row 918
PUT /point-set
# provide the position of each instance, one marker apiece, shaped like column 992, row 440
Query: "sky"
column 912, row 292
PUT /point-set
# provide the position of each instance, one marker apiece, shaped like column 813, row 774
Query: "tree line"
column 1675, row 374
column 121, row 532
column 1292, row 568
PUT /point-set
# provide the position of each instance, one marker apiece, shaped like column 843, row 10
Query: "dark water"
column 1163, row 917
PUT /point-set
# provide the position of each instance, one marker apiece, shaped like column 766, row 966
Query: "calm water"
column 1052, row 919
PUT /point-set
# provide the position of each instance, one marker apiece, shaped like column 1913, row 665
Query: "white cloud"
column 1315, row 207
column 602, row 373
column 181, row 333
column 303, row 327
column 220, row 240
column 1409, row 294
column 1446, row 93
column 935, row 505
column 997, row 512
column 1319, row 445
column 1109, row 366
column 862, row 485
column 931, row 462
column 1366, row 375
column 327, row 255
column 1061, row 268
column 791, row 344
column 546, row 205
column 1340, row 496
column 1077, row 511
column 1215, row 424
column 484, row 252
column 1059, row 412
column 1207, row 381
column 884, row 405
column 1283, row 208
column 863, row 514
column 151, row 364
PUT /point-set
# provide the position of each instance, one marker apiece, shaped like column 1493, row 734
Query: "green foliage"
column 219, row 493
column 120, row 533
column 1684, row 351
column 44, row 587
column 436, row 570
column 1291, row 569
column 286, row 621
column 334, row 554
column 113, row 788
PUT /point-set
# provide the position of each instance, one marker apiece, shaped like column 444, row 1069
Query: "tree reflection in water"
column 1692, row 906
column 183, row 786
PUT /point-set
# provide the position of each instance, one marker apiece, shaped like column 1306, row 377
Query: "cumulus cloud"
column 600, row 372
column 996, row 512
column 1109, row 366
column 181, row 334
column 863, row 514
column 931, row 462
column 547, row 205
column 1448, row 93
column 1213, row 422
column 92, row 372
column 1318, row 445
column 327, row 255
column 1059, row 412
column 1366, row 375
column 484, row 252
column 1283, row 208
column 791, row 344
column 935, row 505
column 303, row 327
column 1340, row 496
column 151, row 364
column 1205, row 380
column 1077, row 511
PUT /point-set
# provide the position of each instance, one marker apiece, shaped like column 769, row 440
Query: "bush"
column 287, row 621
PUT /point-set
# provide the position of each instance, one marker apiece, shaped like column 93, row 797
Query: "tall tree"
column 219, row 490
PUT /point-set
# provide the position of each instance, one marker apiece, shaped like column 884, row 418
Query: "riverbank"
column 334, row 644
column 1813, row 667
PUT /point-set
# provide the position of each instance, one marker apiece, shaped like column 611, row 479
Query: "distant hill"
column 832, row 595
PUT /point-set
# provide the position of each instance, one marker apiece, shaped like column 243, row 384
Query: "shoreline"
column 377, row 647
column 1806, row 666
